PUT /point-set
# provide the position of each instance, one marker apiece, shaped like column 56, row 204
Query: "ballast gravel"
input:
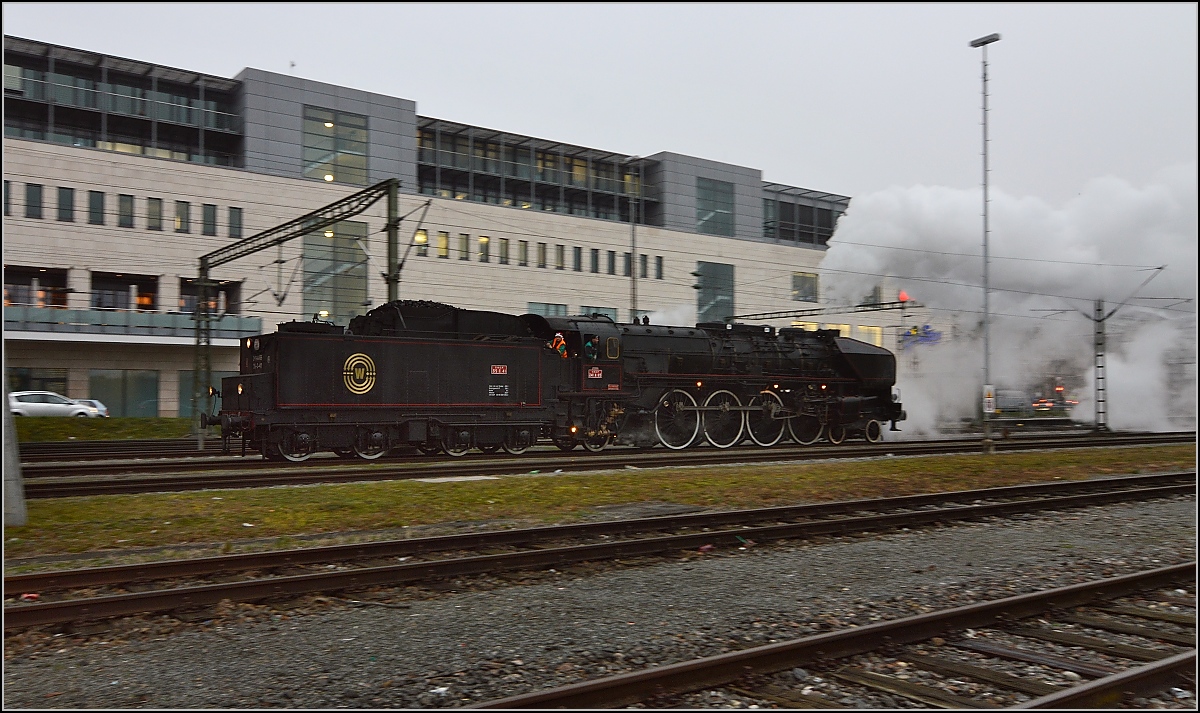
column 474, row 643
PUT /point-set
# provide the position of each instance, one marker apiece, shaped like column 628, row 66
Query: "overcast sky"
column 845, row 98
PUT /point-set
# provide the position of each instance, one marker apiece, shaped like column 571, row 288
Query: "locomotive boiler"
column 446, row 380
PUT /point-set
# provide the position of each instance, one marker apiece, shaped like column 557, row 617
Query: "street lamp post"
column 988, row 446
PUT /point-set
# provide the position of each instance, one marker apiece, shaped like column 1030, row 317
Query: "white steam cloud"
column 1103, row 244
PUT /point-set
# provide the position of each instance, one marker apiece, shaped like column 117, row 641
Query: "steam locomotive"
column 446, row 380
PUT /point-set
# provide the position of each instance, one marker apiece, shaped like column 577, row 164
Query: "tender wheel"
column 765, row 427
column 565, row 443
column 517, row 441
column 595, row 444
column 370, row 444
column 297, row 447
column 805, row 430
column 836, row 434
column 456, row 442
column 676, row 421
column 723, row 427
column 873, row 432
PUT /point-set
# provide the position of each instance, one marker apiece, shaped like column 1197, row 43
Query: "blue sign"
column 923, row 335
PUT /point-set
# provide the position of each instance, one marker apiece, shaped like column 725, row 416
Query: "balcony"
column 129, row 323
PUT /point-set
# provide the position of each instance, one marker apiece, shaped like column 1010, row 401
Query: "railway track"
column 123, row 590
column 1079, row 633
column 49, row 480
column 34, row 453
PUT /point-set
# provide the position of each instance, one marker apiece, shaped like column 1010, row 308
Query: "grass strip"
column 82, row 524
column 35, row 430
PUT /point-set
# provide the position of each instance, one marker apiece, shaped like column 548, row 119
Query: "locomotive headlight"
column 239, row 389
column 776, row 386
column 699, row 384
column 247, row 342
column 574, row 428
column 822, row 387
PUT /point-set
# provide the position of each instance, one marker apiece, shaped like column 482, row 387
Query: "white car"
column 47, row 403
column 100, row 407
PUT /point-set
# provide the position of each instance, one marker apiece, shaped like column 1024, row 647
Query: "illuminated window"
column 804, row 286
column 443, row 246
column 421, row 239
column 871, row 335
column 484, row 245
column 183, row 219
column 335, row 146
column 810, row 326
column 464, row 246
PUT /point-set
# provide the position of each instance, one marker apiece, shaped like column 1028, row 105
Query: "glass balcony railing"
column 180, row 111
column 123, row 322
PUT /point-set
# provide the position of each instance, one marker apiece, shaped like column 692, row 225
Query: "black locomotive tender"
column 443, row 379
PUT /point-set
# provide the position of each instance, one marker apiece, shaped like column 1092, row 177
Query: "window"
column 714, row 207
column 714, row 299
column 235, row 222
column 443, row 245
column 503, row 251
column 66, row 204
column 96, row 207
column 523, row 253
column 124, row 211
column 335, row 146
column 804, row 287
column 208, row 219
column 33, row 200
column 658, row 267
column 464, row 246
column 223, row 298
column 595, row 261
column 421, row 239
column 484, row 245
column 8, row 197
column 588, row 310
column 871, row 335
column 560, row 260
column 547, row 309
column 643, row 264
column 578, row 259
column 126, row 392
column 612, row 262
column 154, row 213
column 335, row 272
column 183, row 220
column 541, row 255
column 123, row 291
column 627, row 262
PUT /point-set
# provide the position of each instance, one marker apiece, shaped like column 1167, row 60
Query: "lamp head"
column 994, row 37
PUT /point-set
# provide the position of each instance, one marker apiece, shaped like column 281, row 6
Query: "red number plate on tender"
column 499, row 368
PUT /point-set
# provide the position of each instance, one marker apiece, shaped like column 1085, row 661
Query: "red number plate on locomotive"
column 595, row 373
column 499, row 368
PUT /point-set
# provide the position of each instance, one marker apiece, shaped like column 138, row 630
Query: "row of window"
column 863, row 333
column 47, row 287
column 125, row 392
column 483, row 249
column 97, row 214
